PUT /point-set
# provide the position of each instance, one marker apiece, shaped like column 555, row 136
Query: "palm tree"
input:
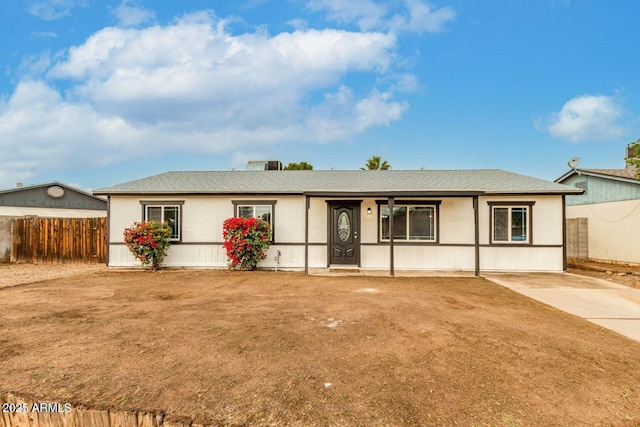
column 376, row 163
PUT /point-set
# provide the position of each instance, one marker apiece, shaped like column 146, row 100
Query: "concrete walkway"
column 385, row 273
column 610, row 305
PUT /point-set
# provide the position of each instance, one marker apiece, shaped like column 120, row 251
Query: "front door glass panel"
column 344, row 227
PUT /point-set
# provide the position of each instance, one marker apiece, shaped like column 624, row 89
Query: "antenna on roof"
column 573, row 163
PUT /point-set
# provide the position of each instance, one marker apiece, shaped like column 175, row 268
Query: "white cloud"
column 50, row 10
column 35, row 65
column 298, row 24
column 341, row 114
column 130, row 14
column 587, row 118
column 367, row 14
column 407, row 83
column 415, row 16
column 424, row 18
column 378, row 109
column 192, row 86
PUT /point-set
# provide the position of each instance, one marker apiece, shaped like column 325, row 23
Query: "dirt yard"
column 284, row 349
column 20, row 274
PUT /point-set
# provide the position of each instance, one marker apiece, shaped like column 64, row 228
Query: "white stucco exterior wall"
column 202, row 218
column 614, row 231
column 201, row 237
column 546, row 234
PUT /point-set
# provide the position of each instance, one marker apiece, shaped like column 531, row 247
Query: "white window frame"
column 254, row 207
column 528, row 207
column 177, row 205
column 271, row 204
column 408, row 206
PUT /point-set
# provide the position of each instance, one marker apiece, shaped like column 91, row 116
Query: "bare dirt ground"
column 20, row 274
column 271, row 348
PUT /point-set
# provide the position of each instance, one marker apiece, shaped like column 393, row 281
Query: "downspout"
column 108, row 236
column 564, row 233
column 476, row 222
column 391, row 204
column 306, row 235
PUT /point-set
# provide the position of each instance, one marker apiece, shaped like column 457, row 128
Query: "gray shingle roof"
column 331, row 182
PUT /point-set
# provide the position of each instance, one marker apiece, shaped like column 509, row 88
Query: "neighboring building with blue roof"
column 608, row 211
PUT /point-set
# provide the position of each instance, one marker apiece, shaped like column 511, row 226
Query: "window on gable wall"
column 410, row 222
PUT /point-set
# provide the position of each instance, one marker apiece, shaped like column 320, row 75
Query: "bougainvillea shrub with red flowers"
column 148, row 242
column 246, row 241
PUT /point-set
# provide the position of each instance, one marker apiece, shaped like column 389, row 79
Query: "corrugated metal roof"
column 301, row 182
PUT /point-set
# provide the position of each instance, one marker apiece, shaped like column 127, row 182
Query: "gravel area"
column 623, row 274
column 20, row 274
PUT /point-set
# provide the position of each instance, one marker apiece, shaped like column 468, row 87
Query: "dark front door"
column 344, row 230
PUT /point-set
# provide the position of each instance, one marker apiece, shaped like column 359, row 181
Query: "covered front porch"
column 351, row 225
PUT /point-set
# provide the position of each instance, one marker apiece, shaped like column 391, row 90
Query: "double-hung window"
column 262, row 209
column 168, row 212
column 412, row 221
column 511, row 223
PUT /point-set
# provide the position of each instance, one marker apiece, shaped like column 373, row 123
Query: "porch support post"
column 306, row 234
column 108, row 239
column 564, row 233
column 476, row 222
column 391, row 203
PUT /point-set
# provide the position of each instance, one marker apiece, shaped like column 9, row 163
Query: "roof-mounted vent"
column 264, row 165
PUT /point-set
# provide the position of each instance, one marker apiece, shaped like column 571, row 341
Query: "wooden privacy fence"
column 59, row 240
column 27, row 412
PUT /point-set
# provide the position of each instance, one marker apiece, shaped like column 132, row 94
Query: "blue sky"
column 99, row 92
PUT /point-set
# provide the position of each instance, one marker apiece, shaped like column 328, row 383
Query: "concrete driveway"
column 610, row 305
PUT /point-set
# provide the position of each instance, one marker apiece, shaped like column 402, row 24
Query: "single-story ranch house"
column 473, row 220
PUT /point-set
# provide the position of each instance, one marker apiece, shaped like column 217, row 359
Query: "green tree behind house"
column 633, row 156
column 302, row 166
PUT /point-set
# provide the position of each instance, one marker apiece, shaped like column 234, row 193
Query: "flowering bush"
column 246, row 240
column 148, row 242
